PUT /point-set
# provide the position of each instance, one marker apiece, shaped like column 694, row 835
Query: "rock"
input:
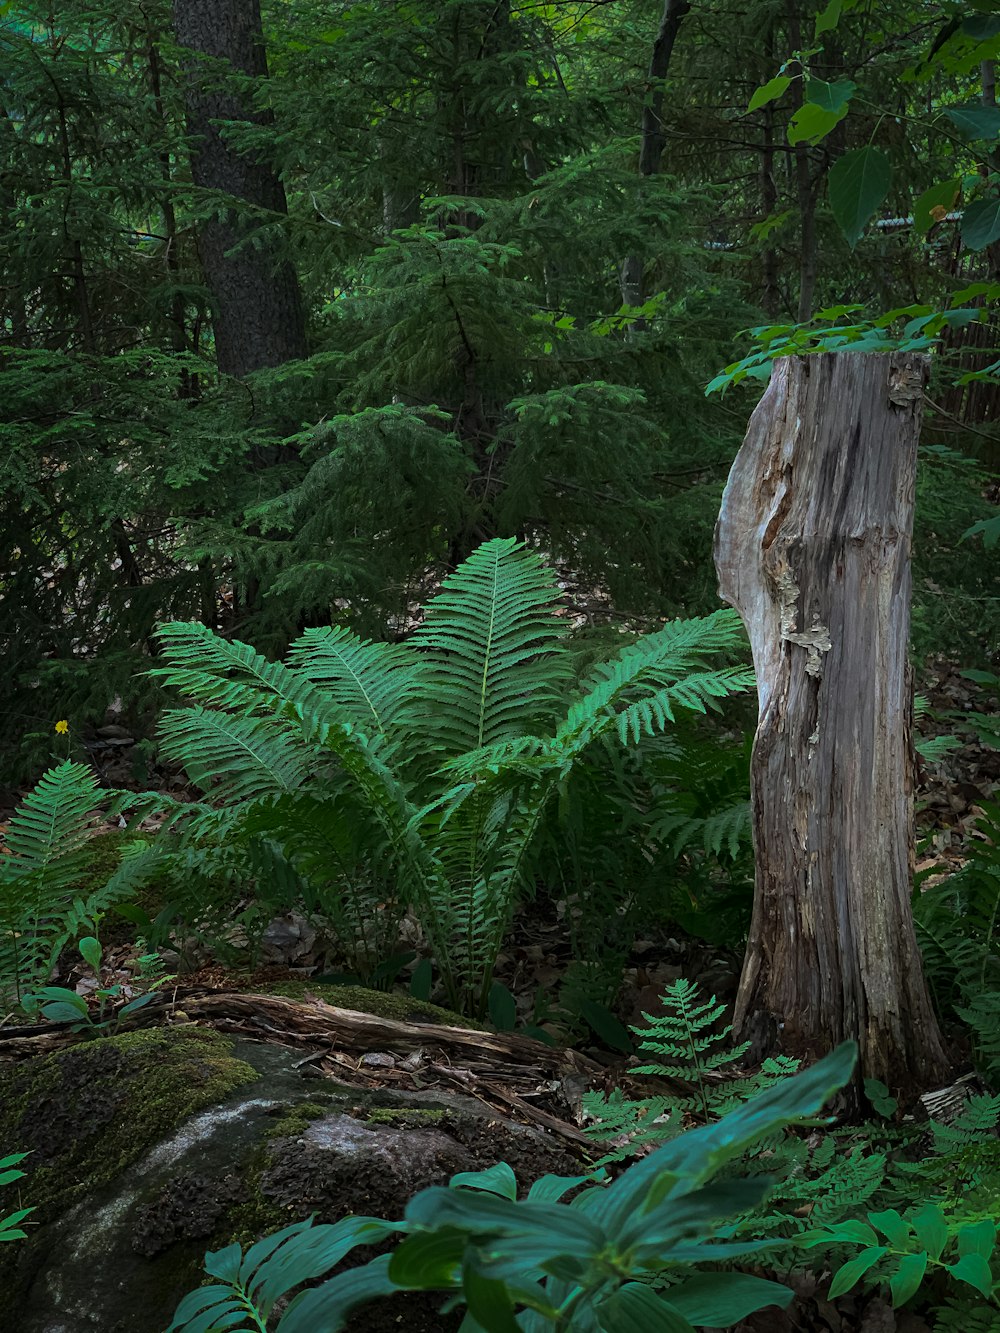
column 151, row 1147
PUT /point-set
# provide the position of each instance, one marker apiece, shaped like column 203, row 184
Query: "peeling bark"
column 812, row 547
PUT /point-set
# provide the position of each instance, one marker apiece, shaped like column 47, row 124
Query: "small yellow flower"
column 62, row 727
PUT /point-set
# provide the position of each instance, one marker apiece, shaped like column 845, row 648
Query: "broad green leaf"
column 934, row 203
column 62, row 1011
column 488, row 1300
column 199, row 1309
column 502, row 1008
column 498, row 1179
column 854, row 1270
column 328, row 1306
column 638, row 1309
column 973, row 1269
column 428, row 1260
column 610, row 1029
column 829, row 18
column 859, row 183
column 721, row 1299
column 892, row 1227
column 830, row 96
column 907, row 1278
column 769, row 92
column 978, row 1238
column 812, row 123
column 981, row 223
column 931, row 1229
column 90, row 951
column 225, row 1264
column 550, row 1189
column 975, row 121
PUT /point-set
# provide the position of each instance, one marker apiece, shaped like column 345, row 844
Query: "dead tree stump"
column 812, row 547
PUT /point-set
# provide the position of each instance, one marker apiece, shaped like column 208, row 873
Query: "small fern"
column 696, row 1053
column 42, row 906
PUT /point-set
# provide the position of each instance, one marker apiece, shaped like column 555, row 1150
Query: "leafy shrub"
column 540, row 1263
column 416, row 776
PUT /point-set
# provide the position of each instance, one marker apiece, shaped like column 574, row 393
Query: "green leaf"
column 907, row 1278
column 812, row 123
column 498, row 1179
column 488, row 1299
column 721, row 1299
column 973, row 1269
column 90, row 951
column 328, row 1306
column 637, row 1309
column 61, row 1011
column 502, row 1008
column 940, row 196
column 978, row 1238
column 829, row 18
column 931, row 1229
column 830, row 96
column 421, row 979
column 610, row 1030
column 981, row 223
column 769, row 92
column 854, row 1270
column 428, row 1260
column 859, row 183
column 225, row 1264
column 975, row 121
column 892, row 1227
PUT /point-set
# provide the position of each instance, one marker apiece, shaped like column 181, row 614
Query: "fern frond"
column 493, row 648
column 237, row 758
column 664, row 669
column 225, row 673
column 375, row 684
column 50, row 827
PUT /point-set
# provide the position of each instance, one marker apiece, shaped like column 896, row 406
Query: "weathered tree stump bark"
column 812, row 547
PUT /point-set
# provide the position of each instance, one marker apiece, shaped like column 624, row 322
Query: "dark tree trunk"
column 812, row 547
column 258, row 312
column 653, row 139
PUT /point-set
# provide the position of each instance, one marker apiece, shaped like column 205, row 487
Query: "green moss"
column 414, row 1115
column 383, row 1004
column 87, row 1113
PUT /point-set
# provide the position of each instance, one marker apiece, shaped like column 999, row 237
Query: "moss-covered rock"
column 149, row 1148
column 88, row 1114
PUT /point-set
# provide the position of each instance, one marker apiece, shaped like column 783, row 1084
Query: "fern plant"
column 694, row 1050
column 958, row 926
column 434, row 760
column 42, row 903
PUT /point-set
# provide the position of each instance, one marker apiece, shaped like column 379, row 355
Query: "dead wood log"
column 812, row 547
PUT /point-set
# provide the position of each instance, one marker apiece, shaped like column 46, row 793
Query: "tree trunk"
column 653, row 139
column 258, row 316
column 812, row 547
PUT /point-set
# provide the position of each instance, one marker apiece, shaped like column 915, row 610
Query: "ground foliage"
column 520, row 269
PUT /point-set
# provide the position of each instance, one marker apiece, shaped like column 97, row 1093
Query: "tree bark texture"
column 812, row 547
column 258, row 318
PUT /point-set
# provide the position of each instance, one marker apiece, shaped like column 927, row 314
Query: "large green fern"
column 437, row 758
